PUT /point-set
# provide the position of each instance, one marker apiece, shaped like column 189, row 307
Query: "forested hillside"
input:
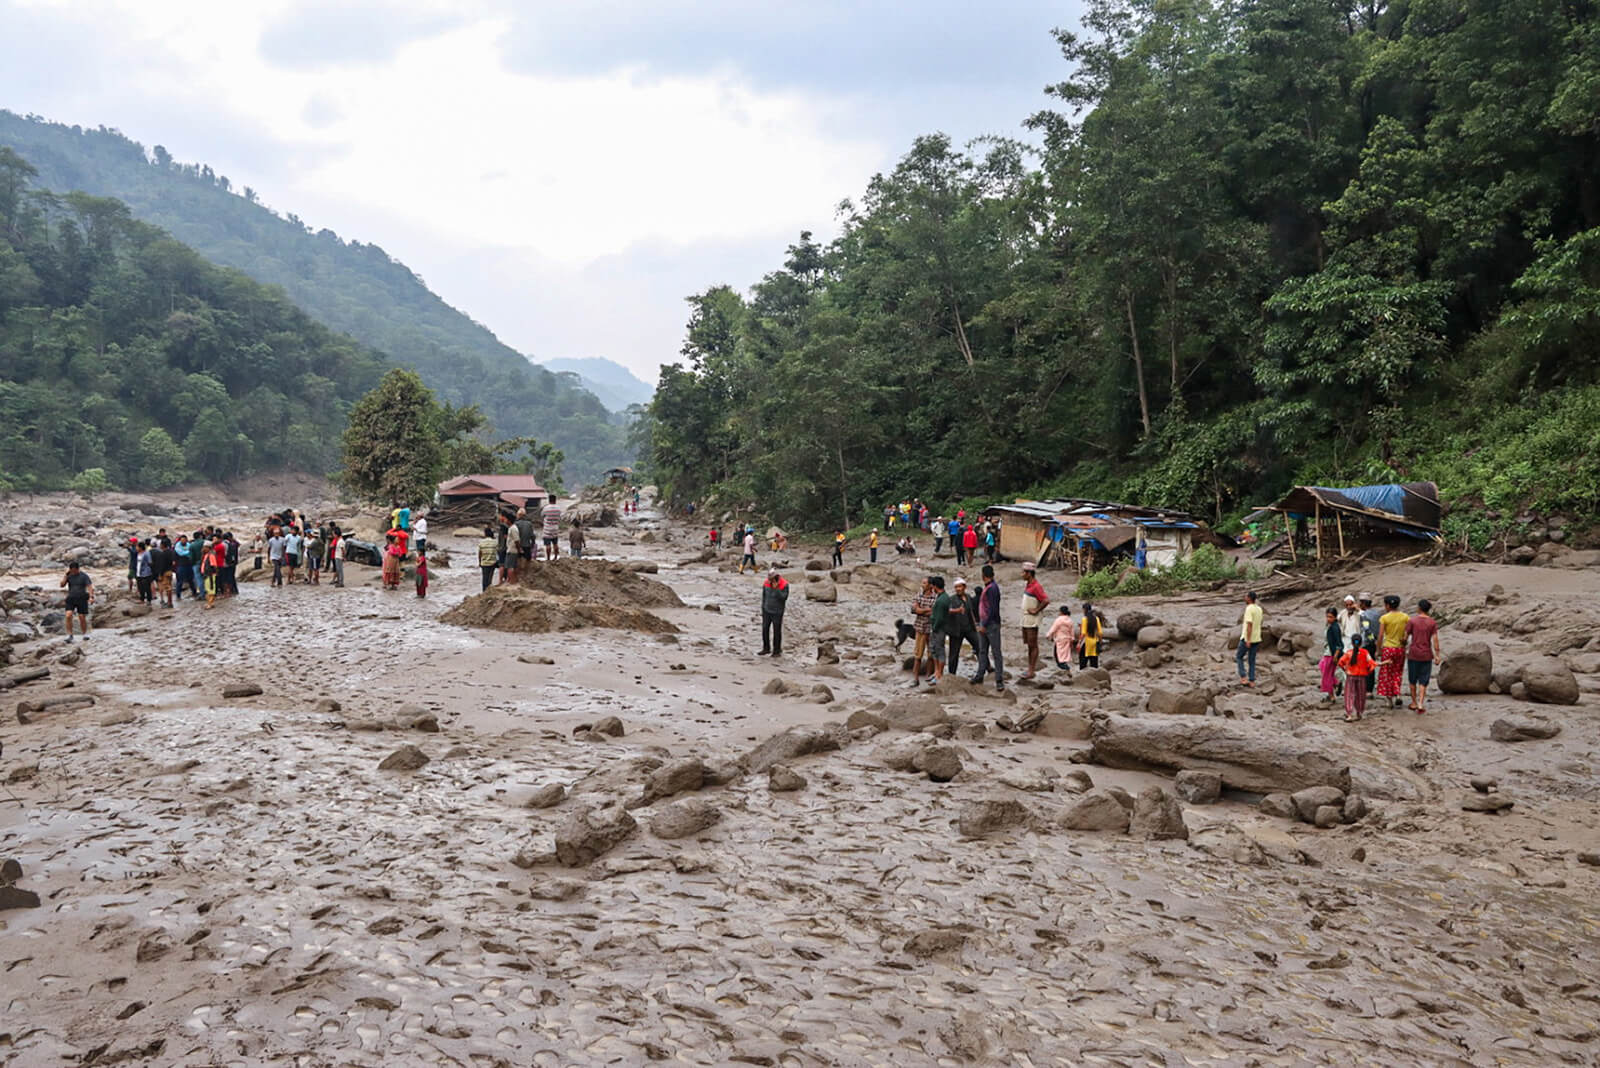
column 128, row 360
column 1264, row 243
column 352, row 287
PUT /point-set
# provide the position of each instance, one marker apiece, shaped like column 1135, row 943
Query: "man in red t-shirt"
column 1422, row 652
column 216, row 561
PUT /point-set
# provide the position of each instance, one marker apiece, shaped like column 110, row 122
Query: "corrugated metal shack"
column 1085, row 534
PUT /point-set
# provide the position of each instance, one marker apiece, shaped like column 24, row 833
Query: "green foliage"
column 1201, row 568
column 395, row 442
column 116, row 343
column 90, row 481
column 160, row 461
column 1259, row 244
column 352, row 287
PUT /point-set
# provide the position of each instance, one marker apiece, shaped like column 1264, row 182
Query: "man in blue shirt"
column 989, row 631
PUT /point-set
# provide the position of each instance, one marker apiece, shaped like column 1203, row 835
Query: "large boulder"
column 941, row 762
column 1550, row 682
column 1097, row 810
column 684, row 818
column 823, row 592
column 900, row 754
column 1157, row 815
column 673, row 777
column 589, row 833
column 1198, row 787
column 1468, row 669
column 1153, row 635
column 1523, row 728
column 1169, row 703
column 793, row 743
column 914, row 713
column 1130, row 623
column 978, row 818
column 1307, row 801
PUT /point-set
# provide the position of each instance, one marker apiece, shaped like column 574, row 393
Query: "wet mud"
column 234, row 881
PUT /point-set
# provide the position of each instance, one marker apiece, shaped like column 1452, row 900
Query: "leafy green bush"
column 90, row 480
column 1207, row 564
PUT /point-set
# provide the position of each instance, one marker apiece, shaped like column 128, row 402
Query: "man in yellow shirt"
column 1249, row 640
column 872, row 544
column 1391, row 646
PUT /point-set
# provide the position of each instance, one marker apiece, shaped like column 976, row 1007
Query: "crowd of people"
column 1366, row 649
column 516, row 542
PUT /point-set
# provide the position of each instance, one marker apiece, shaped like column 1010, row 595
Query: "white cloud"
column 407, row 125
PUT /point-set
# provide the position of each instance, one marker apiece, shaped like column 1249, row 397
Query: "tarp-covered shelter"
column 1339, row 520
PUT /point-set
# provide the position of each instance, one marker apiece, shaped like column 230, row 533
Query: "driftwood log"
column 28, row 711
column 1261, row 760
column 17, row 678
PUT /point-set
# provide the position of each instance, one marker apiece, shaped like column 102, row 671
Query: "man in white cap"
column 1350, row 627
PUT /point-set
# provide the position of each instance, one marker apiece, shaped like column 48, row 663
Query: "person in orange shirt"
column 1357, row 664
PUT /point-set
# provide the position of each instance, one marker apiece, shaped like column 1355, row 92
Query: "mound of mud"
column 599, row 582
column 525, row 611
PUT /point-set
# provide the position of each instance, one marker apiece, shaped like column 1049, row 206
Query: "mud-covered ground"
column 234, row 881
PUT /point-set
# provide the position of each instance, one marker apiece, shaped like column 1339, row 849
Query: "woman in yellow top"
column 1391, row 651
column 872, row 544
column 1089, row 638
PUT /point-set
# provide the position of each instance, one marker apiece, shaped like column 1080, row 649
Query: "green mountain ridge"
column 126, row 359
column 351, row 287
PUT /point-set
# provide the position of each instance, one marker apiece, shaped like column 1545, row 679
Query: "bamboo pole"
column 1338, row 522
column 1288, row 532
column 1319, row 531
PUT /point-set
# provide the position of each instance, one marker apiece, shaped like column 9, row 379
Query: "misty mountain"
column 615, row 385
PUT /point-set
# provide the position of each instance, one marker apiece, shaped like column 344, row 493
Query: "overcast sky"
column 564, row 172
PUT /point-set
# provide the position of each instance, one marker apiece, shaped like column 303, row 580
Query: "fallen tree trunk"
column 28, row 711
column 17, row 678
column 1256, row 759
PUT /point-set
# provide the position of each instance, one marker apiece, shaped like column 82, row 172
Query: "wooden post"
column 1338, row 522
column 1288, row 532
column 1318, row 515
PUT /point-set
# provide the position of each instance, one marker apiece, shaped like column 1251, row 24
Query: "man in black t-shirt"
column 80, row 592
column 163, row 562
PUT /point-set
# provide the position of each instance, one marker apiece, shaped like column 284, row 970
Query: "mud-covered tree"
column 399, row 439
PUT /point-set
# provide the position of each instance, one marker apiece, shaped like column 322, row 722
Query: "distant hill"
column 615, row 385
column 352, row 287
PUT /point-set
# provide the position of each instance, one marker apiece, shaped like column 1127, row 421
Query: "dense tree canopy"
column 125, row 352
column 352, row 287
column 1292, row 239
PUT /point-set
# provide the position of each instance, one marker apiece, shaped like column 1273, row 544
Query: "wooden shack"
column 1330, row 522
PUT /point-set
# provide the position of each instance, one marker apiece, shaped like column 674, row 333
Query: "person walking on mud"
column 1392, row 654
column 337, row 552
column 749, row 547
column 838, row 548
column 488, row 556
column 1034, row 602
column 1249, row 640
column 575, row 540
column 552, row 531
column 872, row 546
column 80, row 594
column 1332, row 650
column 1369, row 636
column 276, row 545
column 1063, row 637
column 922, row 626
column 1422, row 653
column 1089, row 634
column 774, row 599
column 989, row 631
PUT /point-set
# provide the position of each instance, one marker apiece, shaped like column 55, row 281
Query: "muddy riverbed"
column 235, row 881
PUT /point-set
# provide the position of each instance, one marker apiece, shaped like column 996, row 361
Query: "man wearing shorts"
column 551, row 531
column 80, row 592
column 1422, row 652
